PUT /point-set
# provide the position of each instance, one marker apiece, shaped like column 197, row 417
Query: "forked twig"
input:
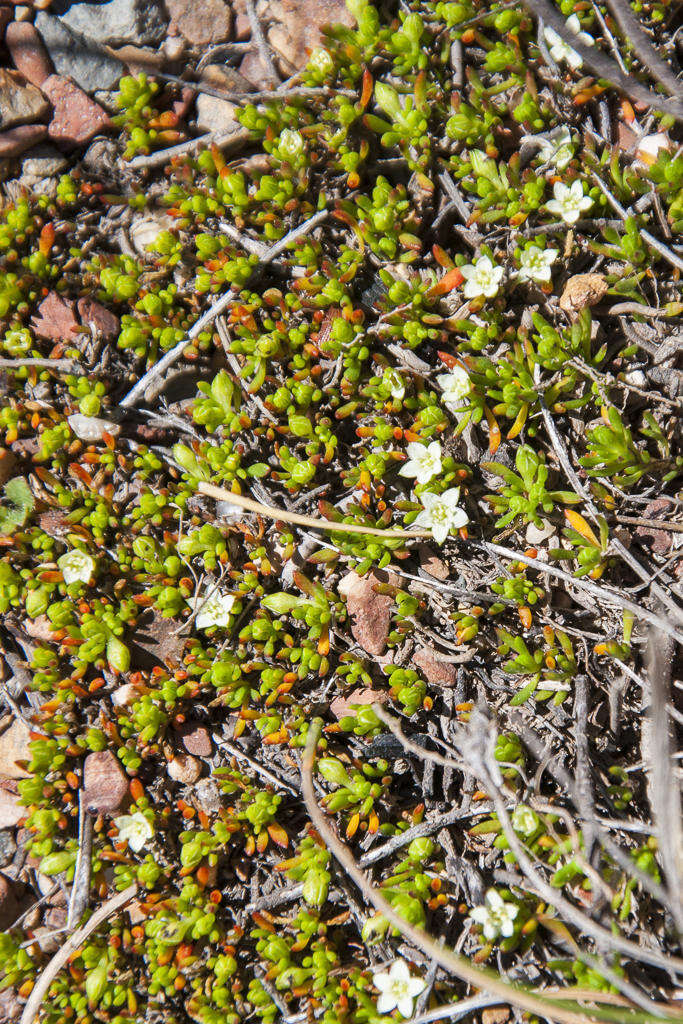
column 75, row 940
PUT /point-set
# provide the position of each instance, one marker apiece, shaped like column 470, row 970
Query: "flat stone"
column 208, row 796
column 76, row 118
column 340, row 707
column 296, row 26
column 11, row 810
column 116, row 22
column 8, row 845
column 42, row 162
column 184, row 768
column 20, row 102
column 102, row 319
column 28, row 52
column 92, row 428
column 17, row 140
column 580, row 291
column 439, row 673
column 14, row 748
column 214, row 115
column 74, row 55
column 196, row 739
column 56, row 320
column 104, row 781
column 200, row 23
column 432, row 564
column 370, row 612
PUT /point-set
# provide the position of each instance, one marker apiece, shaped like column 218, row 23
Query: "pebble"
column 145, row 230
column 9, row 905
column 118, row 22
column 20, row 102
column 432, row 564
column 73, row 55
column 42, row 162
column 92, row 428
column 208, row 796
column 55, row 320
column 370, row 612
column 28, row 52
column 11, row 810
column 8, row 846
column 580, row 291
column 14, row 747
column 125, row 695
column 214, row 115
column 196, row 739
column 18, row 140
column 76, row 118
column 440, row 673
column 174, row 47
column 296, row 26
column 535, row 536
column 200, row 23
column 184, row 768
column 93, row 313
column 22, row 13
column 104, row 782
column 340, row 707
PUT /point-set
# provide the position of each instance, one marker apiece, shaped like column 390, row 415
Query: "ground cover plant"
column 352, row 549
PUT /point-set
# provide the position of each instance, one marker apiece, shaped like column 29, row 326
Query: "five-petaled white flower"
column 559, row 50
column 135, row 829
column 215, row 611
column 290, row 144
column 481, row 278
column 569, row 202
column 398, row 989
column 76, row 567
column 456, row 386
column 536, row 263
column 524, row 820
column 497, row 917
column 441, row 513
column 558, row 149
column 424, row 462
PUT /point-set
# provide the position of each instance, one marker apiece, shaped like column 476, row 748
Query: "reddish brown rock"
column 201, row 24
column 196, row 739
column 77, row 118
column 11, row 811
column 659, row 540
column 580, row 291
column 432, row 564
column 9, row 904
column 56, row 320
column 370, row 612
column 92, row 312
column 296, row 26
column 28, row 52
column 341, row 706
column 17, row 140
column 440, row 673
column 104, row 782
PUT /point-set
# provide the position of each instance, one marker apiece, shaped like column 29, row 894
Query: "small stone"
column 17, row 140
column 440, row 673
column 184, row 768
column 104, row 782
column 14, row 748
column 370, row 612
column 495, row 1015
column 76, row 117
column 145, row 230
column 296, row 26
column 10, row 1006
column 117, row 22
column 432, row 564
column 56, row 320
column 11, row 810
column 125, row 695
column 22, row 13
column 9, row 905
column 174, row 47
column 74, row 55
column 40, row 628
column 214, row 115
column 207, row 796
column 139, row 58
column 536, row 536
column 20, row 102
column 196, row 739
column 28, row 52
column 341, row 706
column 46, row 940
column 580, row 291
column 8, row 846
column 92, row 428
column 42, row 162
column 93, row 313
column 200, row 23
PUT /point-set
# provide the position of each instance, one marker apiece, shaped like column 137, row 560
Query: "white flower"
column 559, row 50
column 569, row 202
column 558, row 149
column 456, row 386
column 75, row 566
column 394, row 381
column 215, row 611
column 290, row 144
column 497, row 917
column 536, row 263
column 398, row 989
column 524, row 820
column 647, row 151
column 441, row 513
column 482, row 278
column 321, row 60
column 135, row 829
column 423, row 462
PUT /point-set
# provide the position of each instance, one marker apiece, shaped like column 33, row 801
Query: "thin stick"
column 221, row 494
column 217, row 308
column 223, row 140
column 75, row 940
column 261, row 44
column 80, row 888
column 462, row 967
column 61, row 365
column 648, row 56
column 653, row 242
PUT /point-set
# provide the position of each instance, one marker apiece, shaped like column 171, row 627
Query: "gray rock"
column 214, row 115
column 8, row 847
column 75, row 55
column 20, row 102
column 117, row 22
column 42, row 162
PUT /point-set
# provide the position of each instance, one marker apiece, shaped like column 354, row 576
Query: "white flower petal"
column 405, row 1006
column 385, row 1003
